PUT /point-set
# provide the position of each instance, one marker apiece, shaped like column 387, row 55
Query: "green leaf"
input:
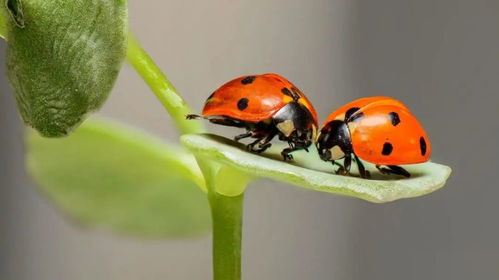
column 111, row 177
column 63, row 58
column 308, row 171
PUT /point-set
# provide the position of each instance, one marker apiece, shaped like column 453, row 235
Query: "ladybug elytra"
column 266, row 105
column 379, row 130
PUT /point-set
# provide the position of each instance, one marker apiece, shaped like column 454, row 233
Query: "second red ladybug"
column 379, row 130
column 266, row 105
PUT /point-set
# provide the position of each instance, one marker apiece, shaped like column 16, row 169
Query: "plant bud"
column 63, row 58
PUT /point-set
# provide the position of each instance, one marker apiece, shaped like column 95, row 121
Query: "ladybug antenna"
column 193, row 117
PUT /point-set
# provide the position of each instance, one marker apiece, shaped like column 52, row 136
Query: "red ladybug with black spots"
column 379, row 130
column 266, row 106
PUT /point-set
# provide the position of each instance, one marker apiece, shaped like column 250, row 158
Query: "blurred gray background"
column 440, row 57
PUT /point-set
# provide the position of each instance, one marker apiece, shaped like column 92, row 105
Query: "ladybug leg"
column 341, row 171
column 263, row 147
column 262, row 142
column 394, row 169
column 337, row 164
column 244, row 135
column 340, row 167
column 251, row 146
column 293, row 146
column 383, row 170
column 362, row 170
column 286, row 154
column 347, row 164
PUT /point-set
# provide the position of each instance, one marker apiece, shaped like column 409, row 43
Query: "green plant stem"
column 168, row 96
column 227, row 211
column 3, row 23
column 162, row 88
column 227, row 218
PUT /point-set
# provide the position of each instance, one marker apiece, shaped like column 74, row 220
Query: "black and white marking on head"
column 248, row 80
column 394, row 118
column 286, row 127
column 337, row 152
column 242, row 103
column 422, row 145
column 387, row 149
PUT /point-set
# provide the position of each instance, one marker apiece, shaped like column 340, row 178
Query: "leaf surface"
column 111, row 177
column 308, row 171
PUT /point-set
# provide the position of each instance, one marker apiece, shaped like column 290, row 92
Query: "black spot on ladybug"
column 356, row 117
column 242, row 103
column 394, row 118
column 350, row 112
column 248, row 80
column 287, row 92
column 387, row 149
column 422, row 145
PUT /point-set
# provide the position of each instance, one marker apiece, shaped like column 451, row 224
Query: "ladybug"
column 379, row 130
column 266, row 105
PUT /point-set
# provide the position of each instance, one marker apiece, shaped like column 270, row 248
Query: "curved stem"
column 227, row 216
column 227, row 212
column 162, row 88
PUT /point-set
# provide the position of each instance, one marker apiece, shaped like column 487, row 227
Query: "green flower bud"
column 63, row 58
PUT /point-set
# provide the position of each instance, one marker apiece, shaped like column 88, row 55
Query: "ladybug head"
column 295, row 123
column 334, row 141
